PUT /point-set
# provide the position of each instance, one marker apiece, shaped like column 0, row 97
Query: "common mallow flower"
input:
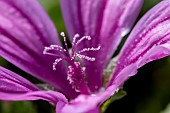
column 29, row 40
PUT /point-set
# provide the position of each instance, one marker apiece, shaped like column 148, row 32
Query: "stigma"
column 75, row 72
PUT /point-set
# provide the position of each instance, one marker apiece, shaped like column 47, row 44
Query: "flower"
column 25, row 29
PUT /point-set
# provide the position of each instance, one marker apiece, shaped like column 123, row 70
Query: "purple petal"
column 106, row 21
column 49, row 96
column 82, row 104
column 11, row 82
column 91, row 103
column 25, row 29
column 14, row 87
column 149, row 40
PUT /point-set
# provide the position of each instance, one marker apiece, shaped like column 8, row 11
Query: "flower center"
column 75, row 72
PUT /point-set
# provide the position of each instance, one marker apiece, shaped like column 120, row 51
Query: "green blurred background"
column 147, row 92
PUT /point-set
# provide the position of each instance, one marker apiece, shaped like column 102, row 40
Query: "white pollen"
column 74, row 38
column 89, row 49
column 82, row 38
column 56, row 46
column 84, row 68
column 56, row 62
column 85, row 57
column 62, row 34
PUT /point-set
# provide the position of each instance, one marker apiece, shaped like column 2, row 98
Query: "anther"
column 74, row 39
column 56, row 62
column 63, row 35
column 89, row 49
column 85, row 57
column 83, row 38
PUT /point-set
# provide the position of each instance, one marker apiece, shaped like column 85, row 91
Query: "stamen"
column 54, row 47
column 83, row 38
column 74, row 39
column 65, row 43
column 56, row 62
column 57, row 47
column 89, row 49
column 85, row 57
column 48, row 50
column 73, row 45
column 52, row 54
column 76, row 73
